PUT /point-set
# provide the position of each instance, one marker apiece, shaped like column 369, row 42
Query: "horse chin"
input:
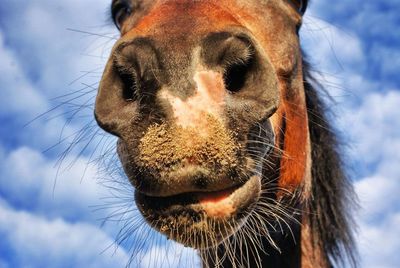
column 201, row 219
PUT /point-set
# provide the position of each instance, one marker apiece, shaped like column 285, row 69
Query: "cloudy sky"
column 52, row 54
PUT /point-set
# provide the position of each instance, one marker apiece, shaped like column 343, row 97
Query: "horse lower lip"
column 218, row 204
column 215, row 197
column 198, row 197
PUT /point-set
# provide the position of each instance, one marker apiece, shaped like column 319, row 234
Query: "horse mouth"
column 201, row 219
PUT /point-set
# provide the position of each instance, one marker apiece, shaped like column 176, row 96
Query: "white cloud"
column 21, row 101
column 40, row 64
column 374, row 127
column 28, row 179
column 336, row 47
column 379, row 243
column 378, row 196
column 36, row 242
column 337, row 55
column 376, row 23
column 16, row 93
column 51, row 53
column 389, row 59
column 376, row 137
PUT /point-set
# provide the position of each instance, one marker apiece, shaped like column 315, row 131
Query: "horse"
column 223, row 132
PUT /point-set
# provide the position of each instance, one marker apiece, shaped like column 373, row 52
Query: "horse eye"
column 299, row 5
column 120, row 11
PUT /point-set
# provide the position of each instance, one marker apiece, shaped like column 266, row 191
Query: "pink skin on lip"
column 219, row 204
column 208, row 100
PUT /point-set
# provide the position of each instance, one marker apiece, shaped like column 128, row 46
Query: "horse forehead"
column 172, row 18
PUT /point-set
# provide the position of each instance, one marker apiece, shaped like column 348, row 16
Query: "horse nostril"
column 232, row 54
column 136, row 65
column 236, row 73
column 129, row 82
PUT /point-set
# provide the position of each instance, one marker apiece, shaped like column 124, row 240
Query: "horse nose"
column 129, row 83
column 136, row 63
column 231, row 54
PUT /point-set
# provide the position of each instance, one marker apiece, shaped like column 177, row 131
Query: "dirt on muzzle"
column 165, row 147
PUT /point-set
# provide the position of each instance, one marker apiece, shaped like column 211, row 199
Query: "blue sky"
column 48, row 215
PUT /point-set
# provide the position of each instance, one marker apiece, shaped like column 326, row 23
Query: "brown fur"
column 163, row 45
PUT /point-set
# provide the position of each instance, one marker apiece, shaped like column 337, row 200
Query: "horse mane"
column 332, row 196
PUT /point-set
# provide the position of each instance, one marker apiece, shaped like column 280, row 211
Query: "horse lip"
column 189, row 196
column 188, row 179
column 157, row 194
column 241, row 197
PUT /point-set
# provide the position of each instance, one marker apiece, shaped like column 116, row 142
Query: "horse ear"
column 300, row 5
